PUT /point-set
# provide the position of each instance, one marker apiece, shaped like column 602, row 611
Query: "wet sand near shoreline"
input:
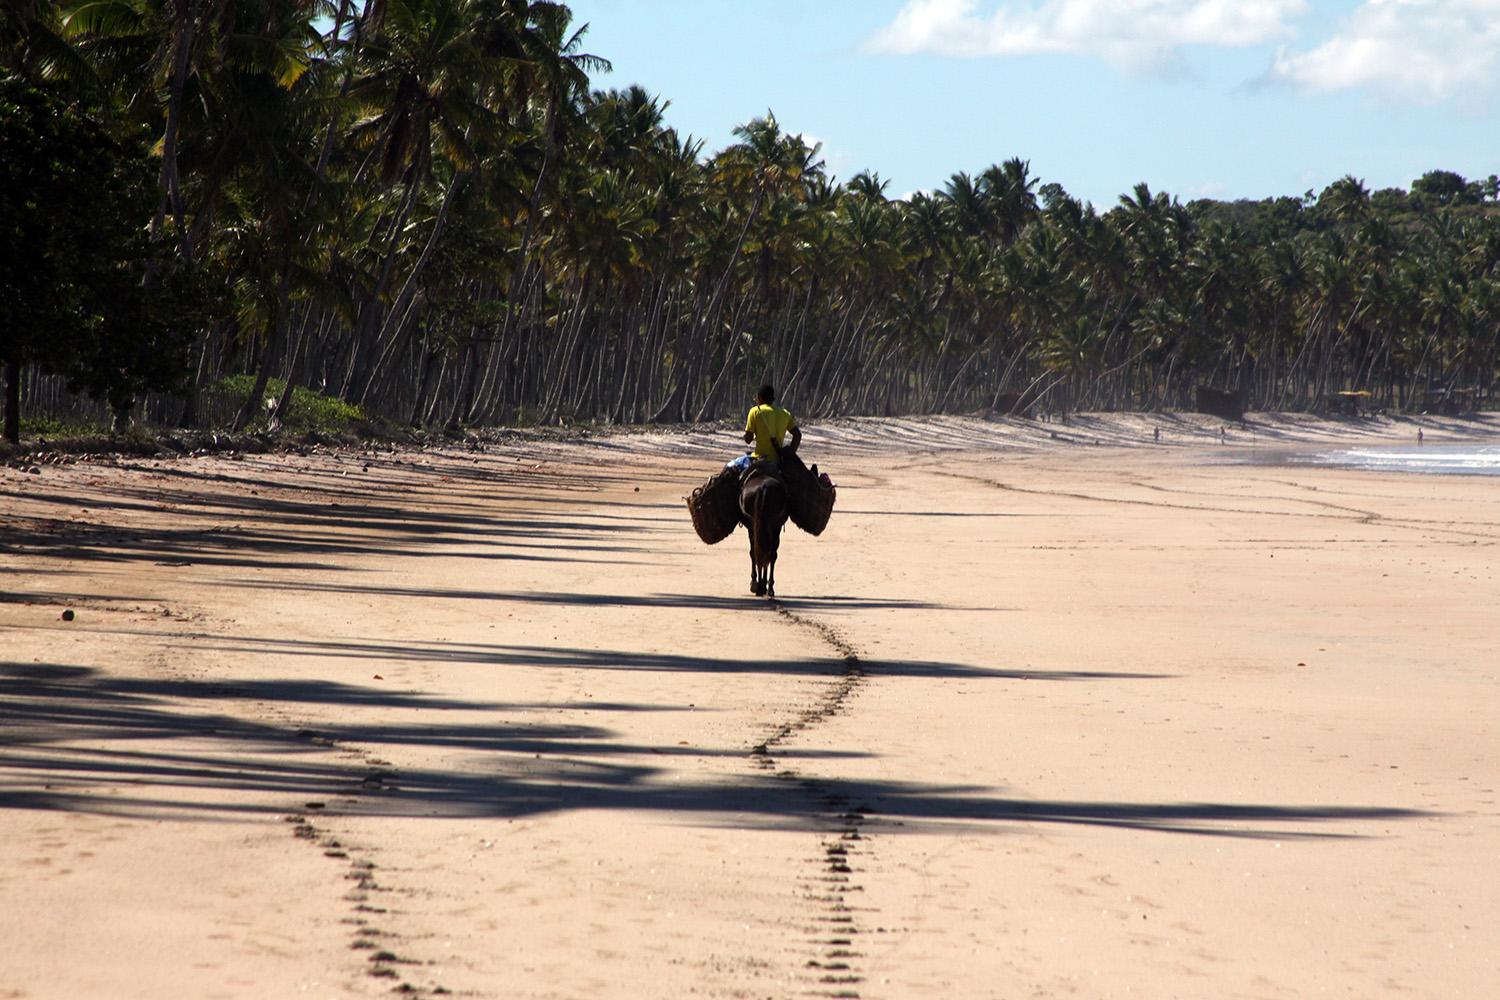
column 1037, row 716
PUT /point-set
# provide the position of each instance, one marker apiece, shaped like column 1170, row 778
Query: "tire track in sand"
column 836, row 924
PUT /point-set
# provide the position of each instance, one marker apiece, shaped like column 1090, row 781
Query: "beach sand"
column 1048, row 711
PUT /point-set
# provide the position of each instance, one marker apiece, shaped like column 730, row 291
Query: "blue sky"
column 1200, row 98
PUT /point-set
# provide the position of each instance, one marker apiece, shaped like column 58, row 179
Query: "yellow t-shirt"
column 768, row 423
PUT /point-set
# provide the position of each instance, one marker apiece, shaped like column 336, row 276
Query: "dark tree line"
column 422, row 208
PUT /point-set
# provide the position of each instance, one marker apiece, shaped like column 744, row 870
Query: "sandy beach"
column 1049, row 711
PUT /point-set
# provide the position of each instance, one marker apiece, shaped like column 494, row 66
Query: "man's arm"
column 791, row 448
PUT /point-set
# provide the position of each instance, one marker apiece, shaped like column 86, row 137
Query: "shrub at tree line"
column 420, row 209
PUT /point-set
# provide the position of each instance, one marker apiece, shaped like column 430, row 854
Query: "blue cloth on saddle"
column 742, row 463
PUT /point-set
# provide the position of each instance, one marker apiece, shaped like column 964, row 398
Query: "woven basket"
column 715, row 506
column 811, row 496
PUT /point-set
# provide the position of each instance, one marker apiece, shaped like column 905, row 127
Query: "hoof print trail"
column 833, row 965
column 377, row 779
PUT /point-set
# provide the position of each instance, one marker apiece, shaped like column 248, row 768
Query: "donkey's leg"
column 757, row 586
column 756, row 511
column 773, row 549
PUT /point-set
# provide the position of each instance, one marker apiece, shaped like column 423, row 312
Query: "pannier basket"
column 810, row 495
column 715, row 506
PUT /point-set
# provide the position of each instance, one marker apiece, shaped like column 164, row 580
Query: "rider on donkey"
column 764, row 502
column 767, row 425
column 763, row 490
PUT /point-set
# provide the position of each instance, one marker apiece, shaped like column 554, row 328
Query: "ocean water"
column 1433, row 459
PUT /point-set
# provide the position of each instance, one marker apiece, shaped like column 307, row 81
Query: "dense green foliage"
column 420, row 207
column 54, row 427
column 306, row 412
column 74, row 258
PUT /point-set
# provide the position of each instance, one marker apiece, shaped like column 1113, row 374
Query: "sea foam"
column 1437, row 459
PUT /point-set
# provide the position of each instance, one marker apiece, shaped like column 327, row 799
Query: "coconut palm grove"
column 422, row 212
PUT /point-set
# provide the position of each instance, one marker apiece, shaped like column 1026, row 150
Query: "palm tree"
column 770, row 164
column 1346, row 199
column 1010, row 190
column 867, row 184
column 33, row 45
column 551, row 68
column 426, row 87
column 972, row 212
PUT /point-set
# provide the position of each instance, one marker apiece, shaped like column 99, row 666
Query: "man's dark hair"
column 767, row 393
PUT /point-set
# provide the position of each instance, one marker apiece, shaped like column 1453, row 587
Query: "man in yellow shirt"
column 768, row 424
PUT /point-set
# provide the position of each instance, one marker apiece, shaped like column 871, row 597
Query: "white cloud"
column 813, row 141
column 1421, row 50
column 1132, row 34
column 835, row 161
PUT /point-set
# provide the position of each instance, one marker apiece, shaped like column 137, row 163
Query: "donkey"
column 763, row 512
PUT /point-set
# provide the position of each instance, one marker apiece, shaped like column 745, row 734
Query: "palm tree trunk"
column 294, row 357
column 369, row 319
column 732, row 355
column 13, row 401
column 185, row 16
column 717, row 301
column 277, row 334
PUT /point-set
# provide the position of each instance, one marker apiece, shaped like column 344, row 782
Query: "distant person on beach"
column 767, row 425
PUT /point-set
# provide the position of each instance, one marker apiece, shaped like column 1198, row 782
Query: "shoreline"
column 1479, row 457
